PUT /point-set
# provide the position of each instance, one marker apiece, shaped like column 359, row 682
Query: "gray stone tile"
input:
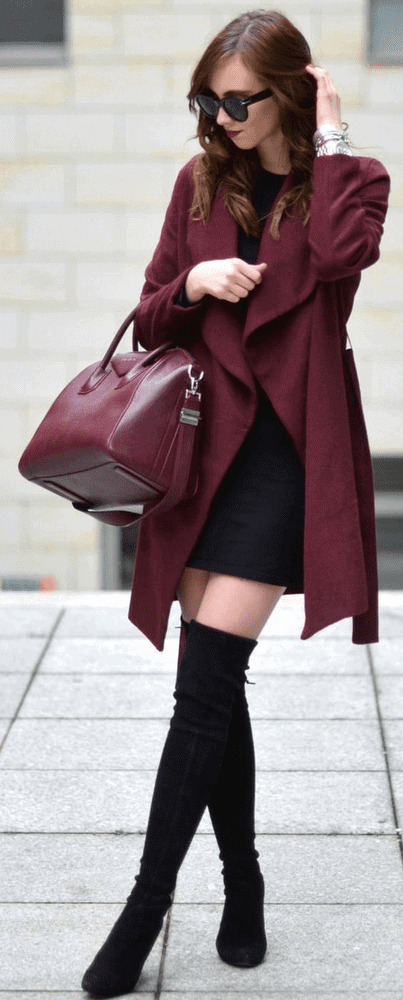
column 296, row 697
column 288, row 620
column 334, row 744
column 45, row 995
column 311, row 949
column 248, row 995
column 97, row 622
column 390, row 623
column 390, row 691
column 322, row 656
column 4, row 724
column 106, row 801
column 12, row 687
column 59, row 942
column 327, row 802
column 106, row 696
column 388, row 656
column 68, row 868
column 394, row 743
column 397, row 785
column 299, row 869
column 107, row 656
column 27, row 620
column 19, row 655
column 92, row 868
column 127, row 744
column 75, row 801
column 85, row 744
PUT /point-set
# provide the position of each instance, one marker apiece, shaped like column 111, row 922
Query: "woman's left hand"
column 327, row 101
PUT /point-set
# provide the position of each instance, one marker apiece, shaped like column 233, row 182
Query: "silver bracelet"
column 328, row 140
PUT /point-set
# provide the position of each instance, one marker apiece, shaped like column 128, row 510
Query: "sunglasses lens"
column 208, row 105
column 235, row 109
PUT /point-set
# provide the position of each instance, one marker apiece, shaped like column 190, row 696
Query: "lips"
column 231, row 134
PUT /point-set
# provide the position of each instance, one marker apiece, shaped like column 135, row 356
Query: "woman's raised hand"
column 231, row 279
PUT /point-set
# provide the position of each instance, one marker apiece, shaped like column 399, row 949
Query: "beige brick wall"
column 88, row 157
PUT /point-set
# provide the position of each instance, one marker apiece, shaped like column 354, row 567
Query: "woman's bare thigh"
column 230, row 603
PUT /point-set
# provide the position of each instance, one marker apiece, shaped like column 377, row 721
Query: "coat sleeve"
column 348, row 208
column 160, row 316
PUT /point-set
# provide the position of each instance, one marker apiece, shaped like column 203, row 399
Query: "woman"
column 285, row 472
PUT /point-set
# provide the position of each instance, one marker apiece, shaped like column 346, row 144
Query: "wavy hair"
column 275, row 51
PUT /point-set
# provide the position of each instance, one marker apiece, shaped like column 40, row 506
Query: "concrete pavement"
column 85, row 707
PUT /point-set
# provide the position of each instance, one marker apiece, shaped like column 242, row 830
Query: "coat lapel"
column 288, row 280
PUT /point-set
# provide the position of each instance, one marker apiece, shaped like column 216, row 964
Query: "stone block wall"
column 88, row 157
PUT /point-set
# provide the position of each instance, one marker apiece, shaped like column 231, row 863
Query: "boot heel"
column 241, row 939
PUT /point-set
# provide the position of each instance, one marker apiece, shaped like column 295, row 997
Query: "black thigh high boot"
column 212, row 671
column 241, row 938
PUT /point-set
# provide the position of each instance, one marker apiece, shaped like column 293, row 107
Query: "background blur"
column 94, row 126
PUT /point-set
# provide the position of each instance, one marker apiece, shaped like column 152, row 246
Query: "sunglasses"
column 236, row 107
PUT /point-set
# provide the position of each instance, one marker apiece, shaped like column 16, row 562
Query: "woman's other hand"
column 327, row 100
column 231, row 279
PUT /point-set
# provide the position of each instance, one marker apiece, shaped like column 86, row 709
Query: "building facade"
column 94, row 126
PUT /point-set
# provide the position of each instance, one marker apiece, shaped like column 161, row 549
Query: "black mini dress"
column 255, row 526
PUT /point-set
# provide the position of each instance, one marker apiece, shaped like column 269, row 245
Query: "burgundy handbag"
column 121, row 440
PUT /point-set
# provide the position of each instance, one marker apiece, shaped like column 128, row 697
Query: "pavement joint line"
column 33, row 675
column 398, row 830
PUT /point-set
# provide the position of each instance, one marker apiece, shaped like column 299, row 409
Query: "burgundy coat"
column 294, row 342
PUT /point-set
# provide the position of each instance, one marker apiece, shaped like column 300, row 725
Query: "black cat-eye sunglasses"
column 236, row 107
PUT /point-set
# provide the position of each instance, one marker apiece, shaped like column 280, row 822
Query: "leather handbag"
column 121, row 440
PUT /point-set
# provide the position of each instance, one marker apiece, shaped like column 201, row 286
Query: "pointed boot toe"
column 117, row 966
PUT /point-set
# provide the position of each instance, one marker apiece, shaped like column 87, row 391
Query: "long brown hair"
column 275, row 51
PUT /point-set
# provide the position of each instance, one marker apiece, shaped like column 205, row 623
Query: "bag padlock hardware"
column 194, row 383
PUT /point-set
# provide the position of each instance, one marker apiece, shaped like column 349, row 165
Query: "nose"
column 223, row 118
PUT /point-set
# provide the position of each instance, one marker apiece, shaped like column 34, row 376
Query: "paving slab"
column 97, row 622
column 397, row 785
column 19, row 654
column 388, row 656
column 334, row 745
column 59, row 942
column 105, row 801
column 45, row 995
column 109, row 656
column 302, row 869
column 75, row 801
column 310, row 948
column 94, row 744
column 4, row 724
column 322, row 802
column 247, row 995
column 310, row 697
column 393, row 730
column 27, row 621
column 107, row 696
column 324, row 656
column 92, row 868
column 68, row 868
column 12, row 687
column 390, row 690
column 85, row 744
column 288, row 619
column 390, row 623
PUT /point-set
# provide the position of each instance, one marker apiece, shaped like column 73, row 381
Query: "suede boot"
column 212, row 671
column 241, row 938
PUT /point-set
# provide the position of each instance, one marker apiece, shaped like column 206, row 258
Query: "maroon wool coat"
column 294, row 342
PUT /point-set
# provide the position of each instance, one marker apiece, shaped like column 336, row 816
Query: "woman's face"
column 261, row 128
